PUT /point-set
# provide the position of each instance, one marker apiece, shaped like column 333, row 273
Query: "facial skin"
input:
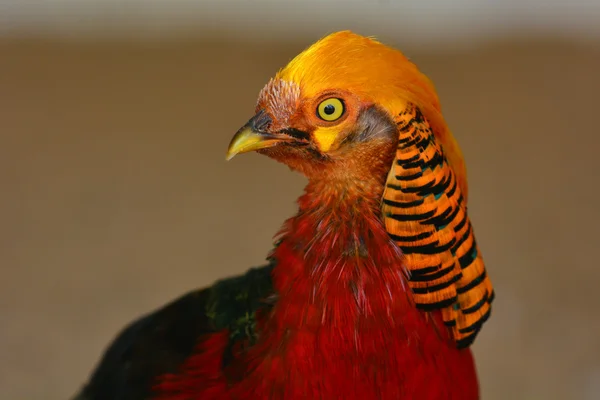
column 333, row 134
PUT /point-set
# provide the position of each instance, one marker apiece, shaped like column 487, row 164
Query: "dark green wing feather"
column 159, row 342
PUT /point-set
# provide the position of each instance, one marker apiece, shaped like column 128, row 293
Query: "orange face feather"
column 371, row 73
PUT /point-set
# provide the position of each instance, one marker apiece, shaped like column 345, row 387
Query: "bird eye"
column 330, row 109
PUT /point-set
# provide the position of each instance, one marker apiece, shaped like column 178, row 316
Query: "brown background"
column 116, row 197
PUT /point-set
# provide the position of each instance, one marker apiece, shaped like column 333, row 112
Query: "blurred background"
column 116, row 198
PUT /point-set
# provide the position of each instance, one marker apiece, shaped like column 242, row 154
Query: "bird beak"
column 253, row 136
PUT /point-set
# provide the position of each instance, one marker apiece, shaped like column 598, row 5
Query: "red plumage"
column 344, row 325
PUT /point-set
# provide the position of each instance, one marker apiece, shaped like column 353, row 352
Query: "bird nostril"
column 261, row 121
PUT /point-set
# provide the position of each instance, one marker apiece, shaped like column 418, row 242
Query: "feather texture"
column 426, row 215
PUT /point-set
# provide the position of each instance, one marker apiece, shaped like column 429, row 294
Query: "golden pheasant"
column 375, row 288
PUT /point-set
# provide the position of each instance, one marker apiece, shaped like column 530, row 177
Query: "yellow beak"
column 247, row 139
column 253, row 136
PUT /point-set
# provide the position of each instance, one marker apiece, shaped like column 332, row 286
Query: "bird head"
column 331, row 111
column 352, row 113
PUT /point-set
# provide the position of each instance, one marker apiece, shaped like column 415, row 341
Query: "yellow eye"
column 330, row 109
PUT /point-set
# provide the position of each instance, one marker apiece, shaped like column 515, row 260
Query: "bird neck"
column 335, row 262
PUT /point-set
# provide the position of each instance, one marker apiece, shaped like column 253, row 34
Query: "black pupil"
column 329, row 109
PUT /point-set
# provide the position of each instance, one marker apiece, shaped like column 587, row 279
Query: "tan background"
column 116, row 197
